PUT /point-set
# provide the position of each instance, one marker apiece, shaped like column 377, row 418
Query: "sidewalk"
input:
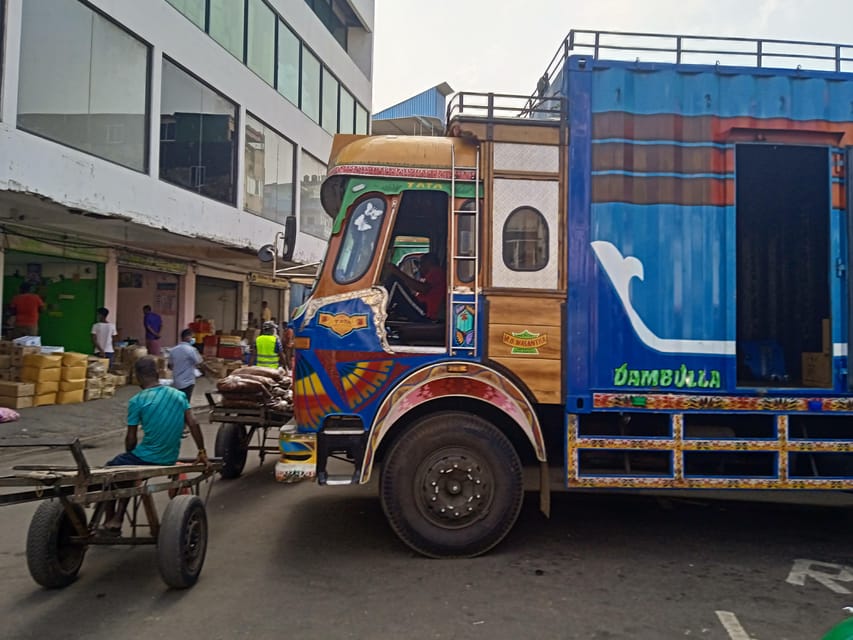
column 88, row 420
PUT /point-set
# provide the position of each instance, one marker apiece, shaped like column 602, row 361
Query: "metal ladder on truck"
column 464, row 257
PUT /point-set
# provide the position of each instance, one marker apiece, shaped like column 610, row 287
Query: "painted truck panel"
column 652, row 215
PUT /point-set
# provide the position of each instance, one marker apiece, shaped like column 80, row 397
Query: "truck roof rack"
column 505, row 106
column 703, row 50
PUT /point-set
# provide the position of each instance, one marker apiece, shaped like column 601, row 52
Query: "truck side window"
column 359, row 241
column 525, row 240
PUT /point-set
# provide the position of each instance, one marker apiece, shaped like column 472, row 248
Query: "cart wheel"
column 52, row 558
column 182, row 541
column 232, row 447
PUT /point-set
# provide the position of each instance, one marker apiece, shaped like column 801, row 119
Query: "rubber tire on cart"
column 232, row 447
column 182, row 541
column 53, row 560
column 451, row 486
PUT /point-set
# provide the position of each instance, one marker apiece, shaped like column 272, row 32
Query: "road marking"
column 732, row 626
column 826, row 573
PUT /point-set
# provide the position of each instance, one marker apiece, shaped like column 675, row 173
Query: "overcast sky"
column 505, row 45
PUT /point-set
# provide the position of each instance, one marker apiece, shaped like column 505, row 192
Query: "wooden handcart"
column 60, row 533
column 244, row 429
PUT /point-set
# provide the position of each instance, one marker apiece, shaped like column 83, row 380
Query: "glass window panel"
column 288, row 63
column 192, row 9
column 310, row 85
column 83, row 81
column 359, row 243
column 347, row 112
column 313, row 219
column 197, row 136
column 330, row 102
column 226, row 25
column 525, row 240
column 269, row 172
column 360, row 119
column 261, row 49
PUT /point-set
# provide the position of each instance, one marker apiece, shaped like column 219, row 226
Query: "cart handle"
column 72, row 444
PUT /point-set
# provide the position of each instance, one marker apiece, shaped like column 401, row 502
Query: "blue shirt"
column 154, row 322
column 160, row 413
column 184, row 357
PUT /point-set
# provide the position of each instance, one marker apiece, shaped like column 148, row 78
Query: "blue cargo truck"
column 637, row 276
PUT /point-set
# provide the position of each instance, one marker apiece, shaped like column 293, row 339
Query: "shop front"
column 218, row 301
column 148, row 281
column 69, row 280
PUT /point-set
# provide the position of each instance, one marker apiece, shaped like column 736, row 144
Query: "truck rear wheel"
column 452, row 486
column 232, row 447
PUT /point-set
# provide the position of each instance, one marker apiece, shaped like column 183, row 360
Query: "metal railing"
column 504, row 105
column 760, row 53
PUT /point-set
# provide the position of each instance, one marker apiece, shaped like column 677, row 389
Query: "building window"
column 226, row 25
column 269, row 172
column 310, row 103
column 329, row 13
column 192, row 9
column 197, row 129
column 313, row 219
column 347, row 112
column 525, row 240
column 330, row 102
column 288, row 63
column 360, row 119
column 260, row 53
column 80, row 89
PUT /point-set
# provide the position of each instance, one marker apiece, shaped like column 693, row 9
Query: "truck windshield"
column 359, row 242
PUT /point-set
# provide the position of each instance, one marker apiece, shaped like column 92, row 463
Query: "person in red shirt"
column 26, row 306
column 417, row 300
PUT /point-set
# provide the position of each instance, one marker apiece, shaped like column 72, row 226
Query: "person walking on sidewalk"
column 184, row 361
column 161, row 413
column 27, row 306
column 103, row 333
column 153, row 325
column 268, row 349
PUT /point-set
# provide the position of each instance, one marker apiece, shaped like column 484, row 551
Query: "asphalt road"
column 302, row 561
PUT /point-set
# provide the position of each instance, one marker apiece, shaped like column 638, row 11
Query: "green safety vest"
column 265, row 349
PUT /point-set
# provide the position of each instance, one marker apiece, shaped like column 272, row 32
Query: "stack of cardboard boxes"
column 16, row 395
column 12, row 359
column 72, row 378
column 96, row 372
column 44, row 371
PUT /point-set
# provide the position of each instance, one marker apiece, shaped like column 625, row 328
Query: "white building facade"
column 149, row 149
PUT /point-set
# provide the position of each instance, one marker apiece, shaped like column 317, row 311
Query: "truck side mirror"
column 289, row 238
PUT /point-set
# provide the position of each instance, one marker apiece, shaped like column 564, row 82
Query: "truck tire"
column 182, row 541
column 452, row 486
column 52, row 558
column 232, row 447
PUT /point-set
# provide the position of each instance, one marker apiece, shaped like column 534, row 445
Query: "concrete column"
column 11, row 62
column 240, row 183
column 244, row 304
column 155, row 90
column 186, row 303
column 111, row 284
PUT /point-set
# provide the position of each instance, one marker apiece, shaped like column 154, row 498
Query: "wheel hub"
column 455, row 488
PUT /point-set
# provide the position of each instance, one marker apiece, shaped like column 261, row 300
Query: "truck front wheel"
column 451, row 486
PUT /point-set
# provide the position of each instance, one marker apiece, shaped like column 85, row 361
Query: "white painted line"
column 825, row 573
column 732, row 626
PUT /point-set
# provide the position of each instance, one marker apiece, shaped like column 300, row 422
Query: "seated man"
column 162, row 413
column 417, row 300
